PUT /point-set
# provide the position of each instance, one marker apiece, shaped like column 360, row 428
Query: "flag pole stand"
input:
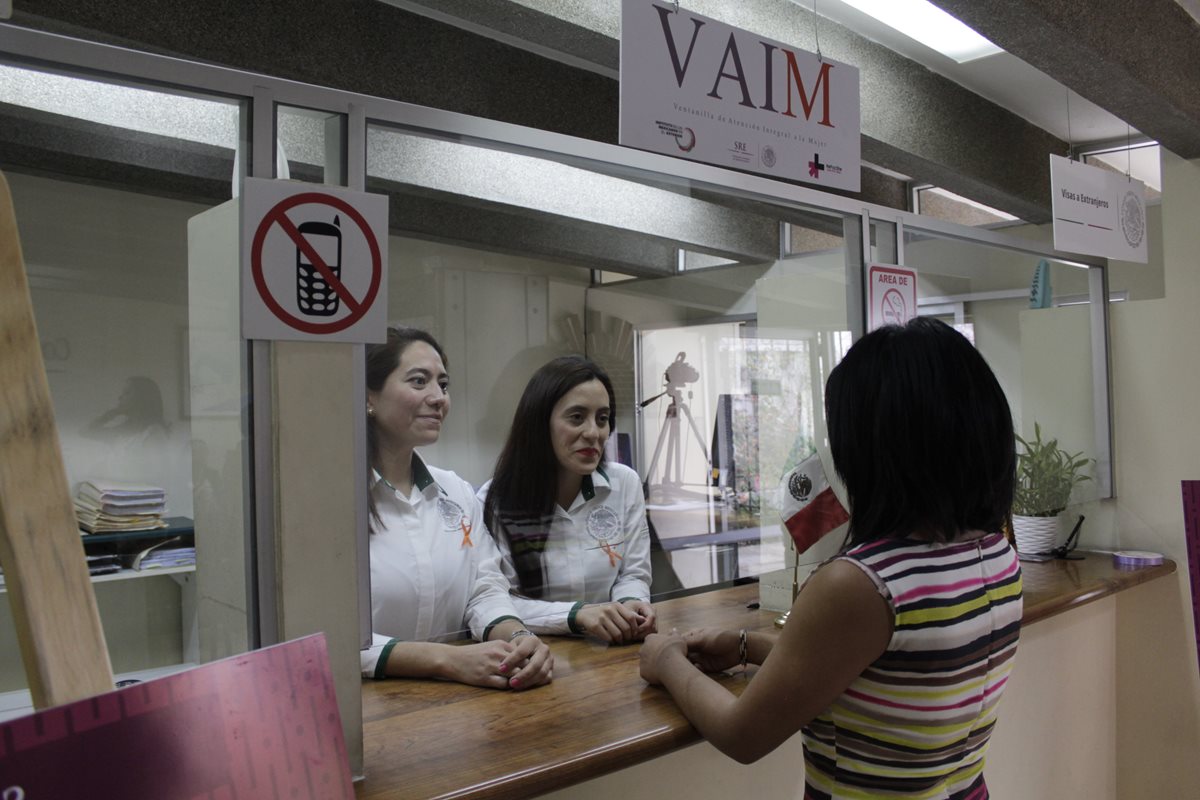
column 782, row 619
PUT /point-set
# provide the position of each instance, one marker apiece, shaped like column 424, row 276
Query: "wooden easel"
column 54, row 607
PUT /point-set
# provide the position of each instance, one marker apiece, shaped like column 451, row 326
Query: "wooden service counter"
column 425, row 739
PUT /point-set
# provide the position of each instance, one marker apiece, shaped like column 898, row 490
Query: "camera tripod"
column 669, row 437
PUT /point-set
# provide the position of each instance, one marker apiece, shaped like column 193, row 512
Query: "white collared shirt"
column 435, row 569
column 596, row 551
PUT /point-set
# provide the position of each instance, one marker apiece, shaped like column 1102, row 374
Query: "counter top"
column 425, row 739
column 1052, row 587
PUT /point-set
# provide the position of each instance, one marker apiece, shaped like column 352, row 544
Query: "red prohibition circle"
column 888, row 307
column 358, row 307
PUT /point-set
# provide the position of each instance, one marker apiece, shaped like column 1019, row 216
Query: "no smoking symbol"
column 893, row 308
column 313, row 298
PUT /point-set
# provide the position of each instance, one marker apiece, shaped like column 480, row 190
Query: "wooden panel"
column 437, row 739
column 58, row 626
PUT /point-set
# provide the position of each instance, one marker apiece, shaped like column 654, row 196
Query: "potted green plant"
column 1046, row 476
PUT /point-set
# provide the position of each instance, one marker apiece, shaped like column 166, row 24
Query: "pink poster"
column 1191, row 530
column 260, row 725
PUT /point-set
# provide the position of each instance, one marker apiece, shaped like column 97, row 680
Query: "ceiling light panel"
column 929, row 25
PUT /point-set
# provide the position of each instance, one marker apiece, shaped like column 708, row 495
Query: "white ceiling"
column 1003, row 78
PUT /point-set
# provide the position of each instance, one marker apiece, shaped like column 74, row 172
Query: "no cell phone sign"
column 313, row 262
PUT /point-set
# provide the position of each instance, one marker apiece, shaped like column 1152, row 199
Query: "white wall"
column 1158, row 445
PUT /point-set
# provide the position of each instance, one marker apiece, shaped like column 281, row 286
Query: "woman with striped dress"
column 897, row 650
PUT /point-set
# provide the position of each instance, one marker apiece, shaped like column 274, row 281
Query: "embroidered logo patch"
column 451, row 512
column 603, row 525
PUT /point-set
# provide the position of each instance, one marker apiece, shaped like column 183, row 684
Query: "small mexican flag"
column 810, row 508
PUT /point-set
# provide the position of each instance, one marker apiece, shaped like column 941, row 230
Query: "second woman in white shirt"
column 571, row 527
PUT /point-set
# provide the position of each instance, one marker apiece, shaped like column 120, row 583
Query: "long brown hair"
column 521, row 498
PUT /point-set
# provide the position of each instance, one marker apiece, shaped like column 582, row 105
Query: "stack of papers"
column 103, row 564
column 162, row 556
column 104, row 506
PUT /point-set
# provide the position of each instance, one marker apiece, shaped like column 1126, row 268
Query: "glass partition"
column 1031, row 318
column 311, row 145
column 111, row 184
column 679, row 294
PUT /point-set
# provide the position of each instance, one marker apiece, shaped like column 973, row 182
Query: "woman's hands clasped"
column 617, row 623
column 521, row 664
column 710, row 649
column 656, row 650
column 714, row 649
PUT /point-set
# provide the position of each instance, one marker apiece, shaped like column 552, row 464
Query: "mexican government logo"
column 1133, row 219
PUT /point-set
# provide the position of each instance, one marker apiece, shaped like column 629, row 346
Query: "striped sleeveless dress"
column 916, row 723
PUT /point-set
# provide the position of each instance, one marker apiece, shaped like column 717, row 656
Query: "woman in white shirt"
column 572, row 528
column 434, row 567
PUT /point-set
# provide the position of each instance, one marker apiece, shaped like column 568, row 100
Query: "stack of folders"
column 104, row 506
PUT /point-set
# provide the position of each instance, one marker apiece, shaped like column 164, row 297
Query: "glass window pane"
column 110, row 185
column 1042, row 356
column 495, row 253
column 310, row 145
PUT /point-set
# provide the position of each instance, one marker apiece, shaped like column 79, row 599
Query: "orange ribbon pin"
column 466, row 529
column 613, row 555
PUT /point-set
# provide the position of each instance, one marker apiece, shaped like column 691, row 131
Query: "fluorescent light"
column 929, row 25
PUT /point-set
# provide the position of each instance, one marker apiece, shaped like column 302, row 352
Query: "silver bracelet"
column 520, row 632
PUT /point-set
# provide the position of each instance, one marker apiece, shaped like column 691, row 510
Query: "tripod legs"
column 669, row 436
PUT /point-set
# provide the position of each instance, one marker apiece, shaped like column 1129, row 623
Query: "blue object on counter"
column 1136, row 558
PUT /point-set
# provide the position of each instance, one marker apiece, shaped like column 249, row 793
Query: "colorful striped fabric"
column 916, row 723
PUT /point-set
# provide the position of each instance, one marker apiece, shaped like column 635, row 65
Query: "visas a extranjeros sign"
column 697, row 88
column 1097, row 212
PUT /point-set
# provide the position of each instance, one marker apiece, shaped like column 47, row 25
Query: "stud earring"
column 370, row 411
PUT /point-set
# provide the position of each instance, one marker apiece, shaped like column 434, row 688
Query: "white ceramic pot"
column 1035, row 534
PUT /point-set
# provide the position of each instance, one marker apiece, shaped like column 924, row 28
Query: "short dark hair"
column 524, row 486
column 921, row 434
column 382, row 359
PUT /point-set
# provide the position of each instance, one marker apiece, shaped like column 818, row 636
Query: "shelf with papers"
column 176, row 526
column 124, row 547
column 130, row 574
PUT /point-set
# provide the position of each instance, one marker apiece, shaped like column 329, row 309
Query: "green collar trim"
column 587, row 487
column 421, row 477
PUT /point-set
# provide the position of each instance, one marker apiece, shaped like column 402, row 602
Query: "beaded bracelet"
column 743, row 648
